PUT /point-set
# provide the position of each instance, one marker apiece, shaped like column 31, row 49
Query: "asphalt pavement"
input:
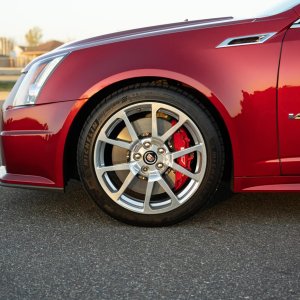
column 61, row 246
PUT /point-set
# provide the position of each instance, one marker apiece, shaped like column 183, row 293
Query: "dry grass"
column 6, row 86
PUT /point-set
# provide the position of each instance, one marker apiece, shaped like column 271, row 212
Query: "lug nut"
column 147, row 145
column 137, row 156
column 145, row 169
column 159, row 165
column 161, row 150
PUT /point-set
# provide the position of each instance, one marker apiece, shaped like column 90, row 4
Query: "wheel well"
column 70, row 153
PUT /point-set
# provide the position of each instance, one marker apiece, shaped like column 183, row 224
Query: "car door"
column 289, row 102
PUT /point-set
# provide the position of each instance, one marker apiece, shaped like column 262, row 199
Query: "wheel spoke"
column 118, row 143
column 129, row 126
column 148, row 195
column 154, row 108
column 119, row 167
column 186, row 151
column 185, row 172
column 169, row 191
column 173, row 129
column 124, row 186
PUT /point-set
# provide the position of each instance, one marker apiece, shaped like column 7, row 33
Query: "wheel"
column 150, row 155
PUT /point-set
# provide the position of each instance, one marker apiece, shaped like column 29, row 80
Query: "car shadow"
column 75, row 206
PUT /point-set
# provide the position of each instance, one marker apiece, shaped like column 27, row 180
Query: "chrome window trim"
column 296, row 24
column 263, row 37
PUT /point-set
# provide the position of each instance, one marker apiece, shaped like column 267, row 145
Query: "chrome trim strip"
column 70, row 47
column 263, row 37
column 291, row 116
column 31, row 187
column 296, row 24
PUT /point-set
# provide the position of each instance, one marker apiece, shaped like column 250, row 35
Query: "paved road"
column 60, row 246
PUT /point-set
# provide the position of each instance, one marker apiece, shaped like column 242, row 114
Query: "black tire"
column 198, row 115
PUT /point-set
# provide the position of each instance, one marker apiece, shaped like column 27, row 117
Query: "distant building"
column 33, row 52
column 12, row 55
column 6, row 46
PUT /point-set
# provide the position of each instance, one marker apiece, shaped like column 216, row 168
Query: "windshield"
column 278, row 8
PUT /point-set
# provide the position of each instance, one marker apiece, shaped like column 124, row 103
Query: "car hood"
column 142, row 32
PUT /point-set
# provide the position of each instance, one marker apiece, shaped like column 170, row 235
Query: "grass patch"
column 6, row 86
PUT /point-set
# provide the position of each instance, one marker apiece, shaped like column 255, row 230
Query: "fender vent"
column 246, row 40
column 296, row 24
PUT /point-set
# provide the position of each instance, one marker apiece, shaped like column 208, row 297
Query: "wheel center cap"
column 150, row 157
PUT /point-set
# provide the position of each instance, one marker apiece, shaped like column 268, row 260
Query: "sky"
column 71, row 20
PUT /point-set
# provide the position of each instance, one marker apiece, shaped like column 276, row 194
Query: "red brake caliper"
column 181, row 141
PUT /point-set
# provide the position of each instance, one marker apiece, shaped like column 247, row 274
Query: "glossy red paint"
column 33, row 141
column 193, row 51
column 240, row 82
column 289, row 103
column 267, row 184
column 297, row 9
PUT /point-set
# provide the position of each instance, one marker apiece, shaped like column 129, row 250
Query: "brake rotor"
column 143, row 128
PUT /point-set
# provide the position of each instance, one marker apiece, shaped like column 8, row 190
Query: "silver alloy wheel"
column 141, row 135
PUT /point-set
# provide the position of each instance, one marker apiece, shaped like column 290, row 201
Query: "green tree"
column 34, row 36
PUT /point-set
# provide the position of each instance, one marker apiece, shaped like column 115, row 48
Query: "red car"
column 153, row 120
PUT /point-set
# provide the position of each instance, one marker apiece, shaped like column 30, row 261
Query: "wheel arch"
column 104, row 88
